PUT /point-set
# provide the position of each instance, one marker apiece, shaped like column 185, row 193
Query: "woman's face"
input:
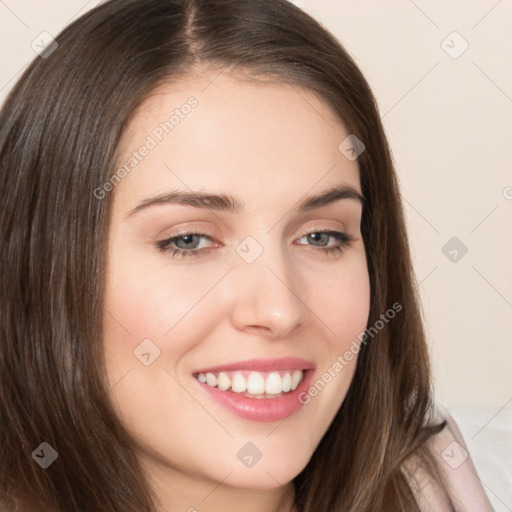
column 245, row 293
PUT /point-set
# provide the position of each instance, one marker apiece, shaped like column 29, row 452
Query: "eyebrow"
column 228, row 203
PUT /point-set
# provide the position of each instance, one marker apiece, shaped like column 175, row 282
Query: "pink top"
column 466, row 490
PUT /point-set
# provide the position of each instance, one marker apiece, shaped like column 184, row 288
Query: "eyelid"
column 200, row 232
column 162, row 243
column 322, row 228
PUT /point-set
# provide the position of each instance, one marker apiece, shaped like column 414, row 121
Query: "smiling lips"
column 258, row 390
column 253, row 383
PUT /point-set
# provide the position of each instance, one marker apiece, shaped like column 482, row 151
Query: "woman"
column 208, row 301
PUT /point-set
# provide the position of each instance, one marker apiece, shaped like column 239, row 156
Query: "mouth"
column 258, row 390
column 253, row 384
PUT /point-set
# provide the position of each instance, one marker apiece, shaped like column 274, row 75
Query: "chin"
column 264, row 478
column 275, row 472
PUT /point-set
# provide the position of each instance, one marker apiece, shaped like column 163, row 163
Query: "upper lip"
column 261, row 365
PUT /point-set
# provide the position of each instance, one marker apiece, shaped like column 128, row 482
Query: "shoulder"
column 457, row 470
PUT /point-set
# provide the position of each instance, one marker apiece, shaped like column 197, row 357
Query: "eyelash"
column 164, row 245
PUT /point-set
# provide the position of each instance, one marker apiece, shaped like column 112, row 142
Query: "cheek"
column 343, row 305
column 148, row 296
column 343, row 301
column 148, row 299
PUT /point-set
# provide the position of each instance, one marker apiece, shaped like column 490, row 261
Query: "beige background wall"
column 449, row 121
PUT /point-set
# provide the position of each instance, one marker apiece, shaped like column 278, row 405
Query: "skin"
column 268, row 145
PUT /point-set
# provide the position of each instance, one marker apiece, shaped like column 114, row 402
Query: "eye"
column 321, row 238
column 189, row 244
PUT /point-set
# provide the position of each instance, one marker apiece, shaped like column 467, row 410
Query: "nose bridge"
column 266, row 287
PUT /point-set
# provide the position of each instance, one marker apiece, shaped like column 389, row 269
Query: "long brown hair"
column 59, row 132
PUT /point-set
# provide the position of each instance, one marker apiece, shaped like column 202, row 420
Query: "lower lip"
column 260, row 409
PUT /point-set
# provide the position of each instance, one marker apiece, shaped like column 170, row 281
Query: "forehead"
column 217, row 131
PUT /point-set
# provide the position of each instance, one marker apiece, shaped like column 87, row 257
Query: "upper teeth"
column 254, row 383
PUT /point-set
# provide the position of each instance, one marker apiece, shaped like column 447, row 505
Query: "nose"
column 268, row 296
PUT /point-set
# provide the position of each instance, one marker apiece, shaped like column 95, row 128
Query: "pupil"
column 316, row 236
column 188, row 239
